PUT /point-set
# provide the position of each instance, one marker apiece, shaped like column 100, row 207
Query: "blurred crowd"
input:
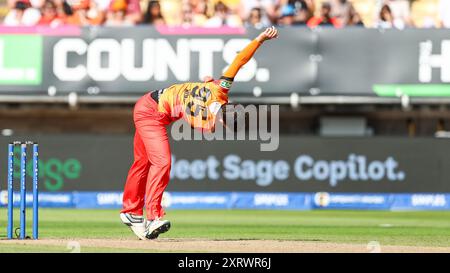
column 231, row 13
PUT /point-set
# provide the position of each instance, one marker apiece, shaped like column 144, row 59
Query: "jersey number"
column 193, row 108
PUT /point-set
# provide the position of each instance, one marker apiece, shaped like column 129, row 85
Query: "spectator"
column 133, row 13
column 78, row 11
column 444, row 13
column 354, row 19
column 22, row 14
column 15, row 16
column 401, row 10
column 195, row 13
column 63, row 9
column 222, row 17
column 187, row 15
column 49, row 15
column 301, row 17
column 341, row 11
column 255, row 18
column 84, row 13
column 95, row 15
column 268, row 8
column 153, row 14
column 256, row 13
column 387, row 20
column 287, row 15
column 303, row 11
column 102, row 5
column 117, row 14
column 325, row 18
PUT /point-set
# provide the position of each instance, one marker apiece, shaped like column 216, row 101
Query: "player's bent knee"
column 163, row 164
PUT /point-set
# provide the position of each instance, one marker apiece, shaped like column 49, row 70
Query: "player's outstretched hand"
column 268, row 34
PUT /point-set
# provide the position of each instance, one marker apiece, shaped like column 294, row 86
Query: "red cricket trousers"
column 149, row 175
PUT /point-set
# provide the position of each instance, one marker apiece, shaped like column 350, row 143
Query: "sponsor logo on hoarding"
column 351, row 200
column 195, row 199
column 245, row 200
column 428, row 62
column 322, row 199
column 45, row 199
column 20, row 59
column 278, row 200
column 429, row 200
column 356, row 168
column 357, row 198
column 304, row 168
column 108, row 59
column 63, row 198
column 53, row 172
column 108, row 199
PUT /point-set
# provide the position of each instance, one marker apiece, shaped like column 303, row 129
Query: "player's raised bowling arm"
column 247, row 53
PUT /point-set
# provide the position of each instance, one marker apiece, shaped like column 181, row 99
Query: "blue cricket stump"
column 10, row 190
column 23, row 189
column 35, row 190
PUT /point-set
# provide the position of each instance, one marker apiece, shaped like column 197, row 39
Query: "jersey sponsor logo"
column 225, row 84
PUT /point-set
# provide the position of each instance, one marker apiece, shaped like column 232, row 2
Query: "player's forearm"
column 247, row 53
column 242, row 58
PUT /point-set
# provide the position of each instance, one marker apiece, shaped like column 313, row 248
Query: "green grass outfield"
column 354, row 227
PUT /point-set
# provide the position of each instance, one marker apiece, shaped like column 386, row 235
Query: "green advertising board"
column 20, row 60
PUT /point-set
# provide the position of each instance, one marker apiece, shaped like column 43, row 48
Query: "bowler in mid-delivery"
column 198, row 103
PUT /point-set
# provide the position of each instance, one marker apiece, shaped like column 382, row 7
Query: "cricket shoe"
column 156, row 227
column 136, row 223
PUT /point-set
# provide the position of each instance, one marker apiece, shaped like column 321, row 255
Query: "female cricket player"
column 198, row 103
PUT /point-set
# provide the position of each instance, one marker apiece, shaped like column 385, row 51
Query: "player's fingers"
column 272, row 34
column 275, row 35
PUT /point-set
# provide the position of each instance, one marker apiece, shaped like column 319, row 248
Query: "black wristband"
column 227, row 79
